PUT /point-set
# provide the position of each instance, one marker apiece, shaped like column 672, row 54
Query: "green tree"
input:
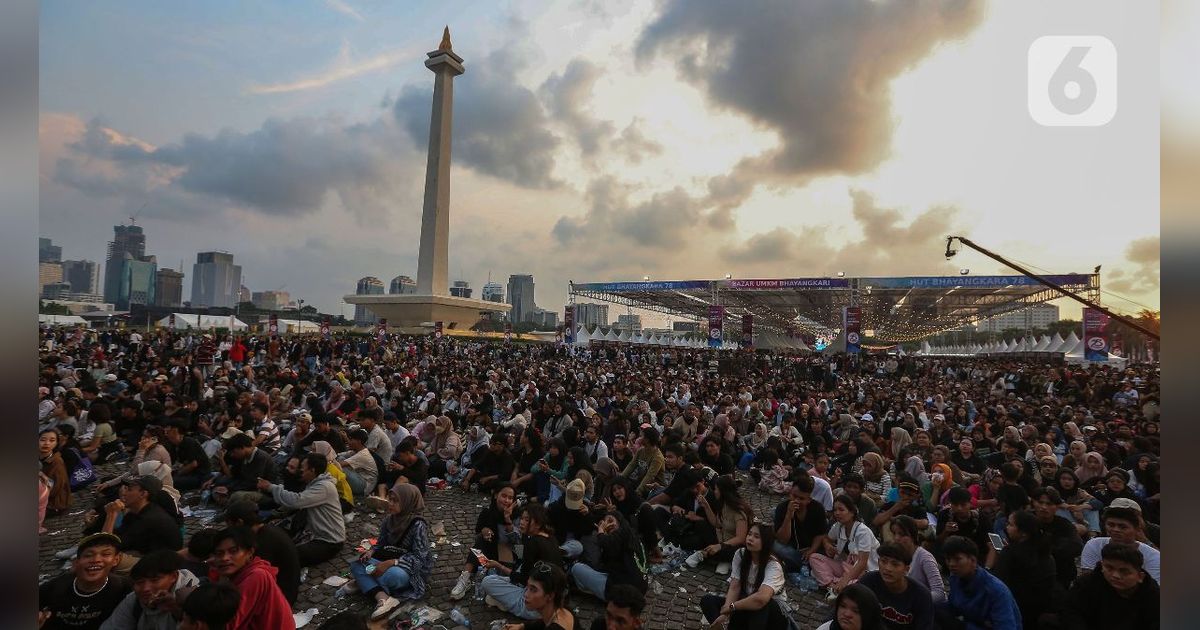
column 53, row 308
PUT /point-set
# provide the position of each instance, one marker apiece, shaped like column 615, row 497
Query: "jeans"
column 511, row 596
column 315, row 552
column 790, row 557
column 358, row 486
column 393, row 581
column 571, row 549
column 589, row 580
column 189, row 481
column 769, row 616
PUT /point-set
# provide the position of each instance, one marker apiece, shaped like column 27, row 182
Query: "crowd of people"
column 914, row 492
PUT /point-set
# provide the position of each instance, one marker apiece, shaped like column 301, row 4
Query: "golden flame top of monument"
column 445, row 45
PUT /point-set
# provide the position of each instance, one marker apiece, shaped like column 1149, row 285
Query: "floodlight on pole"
column 645, row 278
column 841, row 274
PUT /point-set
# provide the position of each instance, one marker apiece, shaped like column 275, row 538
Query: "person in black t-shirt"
column 271, row 544
column 190, row 464
column 958, row 519
column 798, row 524
column 1012, row 495
column 84, row 597
column 145, row 526
column 623, row 611
column 906, row 604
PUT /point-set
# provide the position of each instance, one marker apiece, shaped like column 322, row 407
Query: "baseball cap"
column 110, row 377
column 573, row 498
column 97, row 539
column 149, row 483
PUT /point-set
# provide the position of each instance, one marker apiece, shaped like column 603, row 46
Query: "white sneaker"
column 493, row 602
column 377, row 503
column 723, row 568
column 695, row 559
column 386, row 606
column 66, row 554
column 830, row 595
column 460, row 587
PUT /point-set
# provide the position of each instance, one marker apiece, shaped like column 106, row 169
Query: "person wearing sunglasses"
column 546, row 596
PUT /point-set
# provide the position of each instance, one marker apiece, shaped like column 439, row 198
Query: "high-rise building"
column 460, row 288
column 48, row 252
column 403, row 285
column 1037, row 316
column 49, row 273
column 216, row 281
column 588, row 313
column 270, row 300
column 127, row 239
column 136, row 282
column 244, row 295
column 168, row 289
column 82, row 275
column 369, row 285
column 630, row 322
column 520, row 295
column 493, row 292
column 543, row 318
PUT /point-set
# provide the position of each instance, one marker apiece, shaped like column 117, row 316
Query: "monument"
column 432, row 301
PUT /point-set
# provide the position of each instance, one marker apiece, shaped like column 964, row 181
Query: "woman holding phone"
column 492, row 529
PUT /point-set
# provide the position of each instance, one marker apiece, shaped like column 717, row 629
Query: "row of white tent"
column 1071, row 348
column 583, row 337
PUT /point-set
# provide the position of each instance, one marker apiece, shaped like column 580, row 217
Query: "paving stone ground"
column 677, row 606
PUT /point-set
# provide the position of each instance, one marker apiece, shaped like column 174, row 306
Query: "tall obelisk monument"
column 432, row 264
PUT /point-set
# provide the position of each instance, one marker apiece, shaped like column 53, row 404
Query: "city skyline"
column 594, row 144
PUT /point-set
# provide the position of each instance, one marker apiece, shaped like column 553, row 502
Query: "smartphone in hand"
column 997, row 541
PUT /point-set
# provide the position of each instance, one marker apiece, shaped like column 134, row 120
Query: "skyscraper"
column 592, row 314
column 48, row 252
column 460, row 288
column 216, row 281
column 369, row 285
column 82, row 275
column 403, row 285
column 49, row 273
column 630, row 322
column 168, row 290
column 136, row 282
column 493, row 292
column 520, row 295
column 127, row 239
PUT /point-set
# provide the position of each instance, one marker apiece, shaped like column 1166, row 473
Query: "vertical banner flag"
column 1118, row 346
column 172, row 321
column 231, row 320
column 569, row 323
column 507, row 332
column 715, row 315
column 381, row 330
column 1095, row 335
column 325, row 328
column 437, row 330
column 273, row 325
column 852, row 325
column 747, row 330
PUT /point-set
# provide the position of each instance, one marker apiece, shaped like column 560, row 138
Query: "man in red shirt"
column 263, row 605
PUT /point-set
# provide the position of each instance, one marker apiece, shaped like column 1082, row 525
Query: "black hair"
column 766, row 535
column 407, row 445
column 960, row 545
column 1050, row 492
column 854, row 478
column 803, row 481
column 357, row 434
column 895, row 552
column 626, row 596
column 155, row 564
column 674, row 447
column 262, row 406
column 1128, row 515
column 215, row 604
column 906, row 525
column 241, row 536
column 202, row 543
column 1121, row 552
column 959, row 495
column 538, row 514
column 867, row 603
column 849, row 503
column 244, row 511
column 691, row 457
column 650, row 437
column 1009, row 471
column 553, row 581
column 317, row 462
column 239, row 440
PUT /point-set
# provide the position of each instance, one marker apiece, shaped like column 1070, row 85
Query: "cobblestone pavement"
column 674, row 608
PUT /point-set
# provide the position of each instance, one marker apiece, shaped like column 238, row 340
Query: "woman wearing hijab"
column 339, row 477
column 444, row 448
column 900, row 439
column 878, row 482
column 1092, row 471
column 940, row 482
column 399, row 564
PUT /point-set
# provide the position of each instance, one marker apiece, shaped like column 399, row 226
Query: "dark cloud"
column 817, row 72
column 663, row 220
column 633, row 145
column 500, row 127
column 567, row 95
column 1144, row 272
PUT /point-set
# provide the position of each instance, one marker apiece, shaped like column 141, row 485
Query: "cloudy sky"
column 595, row 141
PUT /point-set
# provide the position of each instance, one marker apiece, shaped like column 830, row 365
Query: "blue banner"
column 618, row 287
column 981, row 282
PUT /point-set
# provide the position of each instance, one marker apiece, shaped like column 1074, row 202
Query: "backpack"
column 82, row 474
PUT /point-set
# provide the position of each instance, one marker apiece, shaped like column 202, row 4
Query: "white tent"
column 1071, row 344
column 1055, row 344
column 293, row 326
column 184, row 321
column 582, row 337
column 61, row 320
column 625, row 337
column 1042, row 344
column 1077, row 357
column 611, row 335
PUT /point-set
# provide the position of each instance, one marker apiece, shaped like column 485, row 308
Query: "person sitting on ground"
column 242, row 464
column 85, row 596
column 1027, row 568
column 572, row 518
column 725, row 525
column 958, row 519
column 191, row 465
column 322, row 431
column 1065, row 544
column 210, row 607
column 444, row 448
column 378, row 441
column 271, row 544
column 714, row 456
column 620, row 558
column 358, row 464
column 491, row 468
column 1118, row 595
column 849, row 549
column 1123, row 525
column 906, row 604
column 345, row 494
column 623, row 610
column 755, row 586
column 144, row 527
column 301, row 430
column 908, row 501
column 923, row 568
column 800, row 524
column 853, row 486
column 322, row 511
column 545, row 597
column 407, row 466
column 646, row 466
column 505, row 588
column 262, row 604
column 493, row 529
column 49, row 453
column 977, row 599
column 856, row 608
column 198, row 550
column 158, row 580
column 400, row 562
